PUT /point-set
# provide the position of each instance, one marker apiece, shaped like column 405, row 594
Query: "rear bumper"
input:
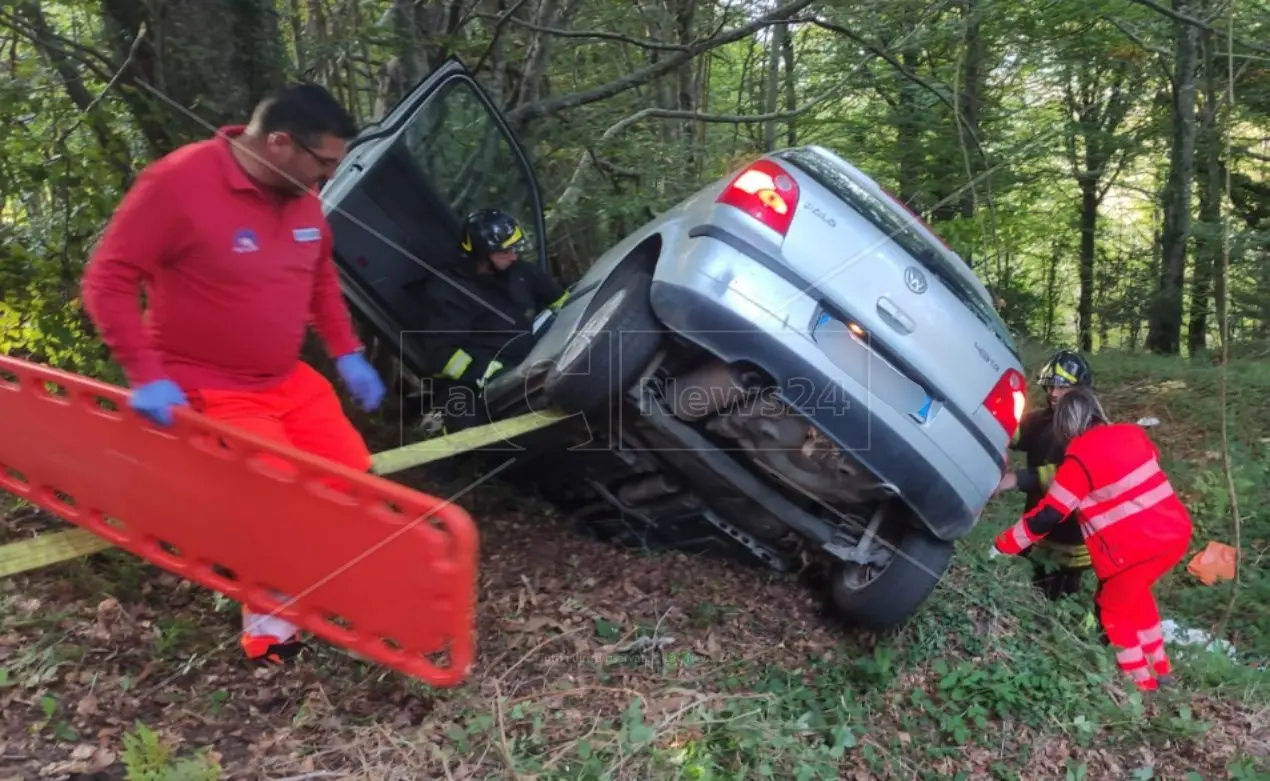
column 835, row 409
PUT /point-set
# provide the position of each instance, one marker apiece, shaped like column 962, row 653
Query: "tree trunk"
column 1165, row 330
column 1208, row 245
column 908, row 130
column 1097, row 103
column 211, row 60
column 971, row 99
column 687, row 86
column 1088, row 234
column 771, row 85
column 1051, row 292
column 791, row 89
column 409, row 61
column 1101, row 297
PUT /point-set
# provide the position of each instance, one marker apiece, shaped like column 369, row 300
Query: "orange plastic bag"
column 1216, row 562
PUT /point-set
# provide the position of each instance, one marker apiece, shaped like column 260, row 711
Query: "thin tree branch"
column 898, row 66
column 551, row 106
column 1245, row 152
column 573, row 190
column 99, row 63
column 1184, row 18
column 502, row 18
column 1133, row 36
column 597, row 34
column 44, row 40
column 1122, row 160
column 87, row 110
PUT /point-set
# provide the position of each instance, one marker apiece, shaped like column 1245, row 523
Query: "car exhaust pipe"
column 647, row 489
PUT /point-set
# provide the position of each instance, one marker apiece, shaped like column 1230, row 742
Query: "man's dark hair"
column 306, row 111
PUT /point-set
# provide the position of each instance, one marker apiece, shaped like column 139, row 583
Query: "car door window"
column 457, row 146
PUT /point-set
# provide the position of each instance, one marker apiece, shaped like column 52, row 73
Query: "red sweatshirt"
column 233, row 276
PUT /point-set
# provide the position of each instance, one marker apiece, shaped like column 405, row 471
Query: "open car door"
column 396, row 203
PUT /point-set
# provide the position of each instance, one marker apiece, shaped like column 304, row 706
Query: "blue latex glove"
column 156, row 399
column 362, row 380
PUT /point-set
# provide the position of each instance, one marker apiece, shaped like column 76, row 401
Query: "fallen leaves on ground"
column 87, row 659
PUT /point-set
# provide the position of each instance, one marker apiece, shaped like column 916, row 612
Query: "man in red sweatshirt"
column 228, row 239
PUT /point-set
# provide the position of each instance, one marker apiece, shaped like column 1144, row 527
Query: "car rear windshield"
column 902, row 232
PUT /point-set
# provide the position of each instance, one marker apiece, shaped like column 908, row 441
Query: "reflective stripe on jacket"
column 1111, row 477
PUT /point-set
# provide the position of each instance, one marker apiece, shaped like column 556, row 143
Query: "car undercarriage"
column 706, row 457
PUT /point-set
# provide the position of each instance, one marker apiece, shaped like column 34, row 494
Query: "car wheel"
column 614, row 342
column 884, row 594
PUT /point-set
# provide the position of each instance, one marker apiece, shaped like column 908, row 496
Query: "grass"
column 988, row 681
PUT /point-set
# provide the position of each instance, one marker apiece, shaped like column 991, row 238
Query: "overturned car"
column 788, row 363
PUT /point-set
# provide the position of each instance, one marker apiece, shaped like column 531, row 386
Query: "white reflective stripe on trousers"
column 1130, row 656
column 259, row 624
column 1151, row 636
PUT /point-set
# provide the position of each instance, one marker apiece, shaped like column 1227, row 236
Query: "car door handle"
column 894, row 316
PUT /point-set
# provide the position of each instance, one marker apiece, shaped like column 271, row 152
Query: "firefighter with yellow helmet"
column 481, row 317
column 1061, row 559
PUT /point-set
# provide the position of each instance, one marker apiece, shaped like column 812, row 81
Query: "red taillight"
column 1006, row 400
column 765, row 192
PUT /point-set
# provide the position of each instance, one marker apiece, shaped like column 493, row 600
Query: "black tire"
column 621, row 346
column 893, row 595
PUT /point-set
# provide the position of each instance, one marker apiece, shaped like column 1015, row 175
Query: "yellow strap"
column 457, row 364
column 1045, row 474
column 490, row 370
column 559, row 302
column 1076, row 555
column 440, row 448
column 48, row 549
column 57, row 547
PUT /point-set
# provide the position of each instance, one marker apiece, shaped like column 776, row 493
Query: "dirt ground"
column 107, row 641
column 90, row 648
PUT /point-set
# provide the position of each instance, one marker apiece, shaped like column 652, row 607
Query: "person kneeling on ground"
column 1134, row 524
column 481, row 317
column 1060, row 560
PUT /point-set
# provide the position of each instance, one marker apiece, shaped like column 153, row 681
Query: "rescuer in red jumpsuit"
column 228, row 240
column 1135, row 526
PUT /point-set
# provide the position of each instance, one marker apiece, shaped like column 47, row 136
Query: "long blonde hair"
column 1076, row 412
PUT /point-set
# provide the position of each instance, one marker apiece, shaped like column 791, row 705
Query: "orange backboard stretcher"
column 384, row 571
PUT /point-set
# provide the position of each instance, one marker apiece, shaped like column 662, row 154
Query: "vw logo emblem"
column 915, row 279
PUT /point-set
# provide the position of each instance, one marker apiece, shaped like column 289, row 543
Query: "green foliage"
column 995, row 166
column 147, row 758
column 988, row 671
column 964, row 110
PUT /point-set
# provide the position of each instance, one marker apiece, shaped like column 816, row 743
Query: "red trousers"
column 304, row 412
column 1130, row 617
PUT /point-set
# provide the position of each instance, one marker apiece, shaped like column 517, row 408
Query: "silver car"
column 788, row 363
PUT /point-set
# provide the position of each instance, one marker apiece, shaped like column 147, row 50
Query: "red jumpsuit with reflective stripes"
column 1136, row 529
